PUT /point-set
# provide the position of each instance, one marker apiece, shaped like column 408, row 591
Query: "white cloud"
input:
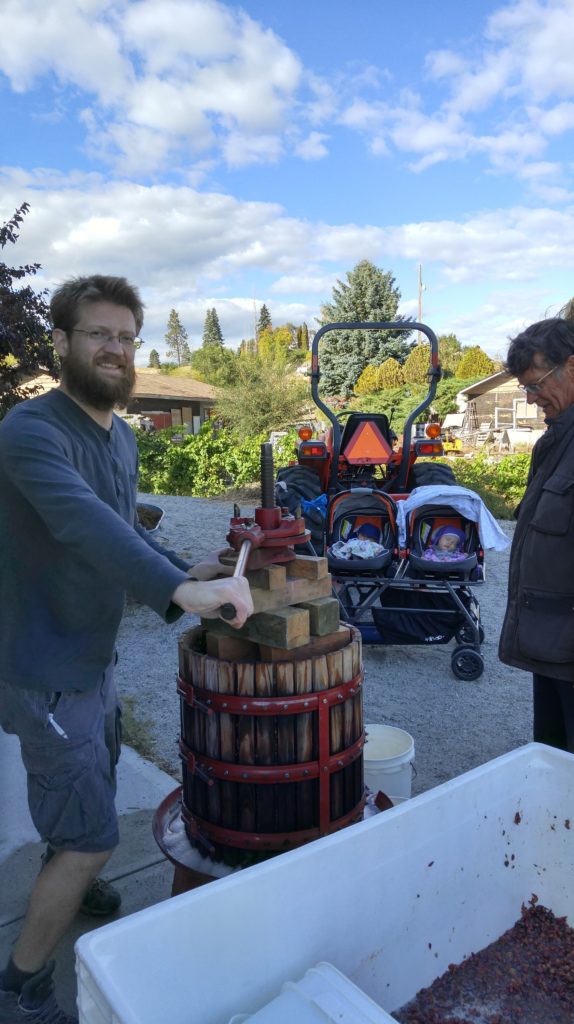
column 304, row 284
column 525, row 55
column 191, row 251
column 197, row 73
column 554, row 121
column 541, row 36
column 444, row 64
column 324, row 104
column 510, row 245
column 313, row 147
column 67, row 38
column 168, row 234
column 475, row 90
column 241, row 150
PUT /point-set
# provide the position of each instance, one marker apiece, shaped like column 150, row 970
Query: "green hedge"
column 206, row 464
column 202, row 465
column 500, row 480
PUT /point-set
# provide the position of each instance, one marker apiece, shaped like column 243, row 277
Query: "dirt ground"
column 455, row 725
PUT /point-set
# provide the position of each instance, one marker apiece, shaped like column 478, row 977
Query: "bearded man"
column 70, row 547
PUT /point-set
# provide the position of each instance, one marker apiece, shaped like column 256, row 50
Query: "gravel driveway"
column 456, row 725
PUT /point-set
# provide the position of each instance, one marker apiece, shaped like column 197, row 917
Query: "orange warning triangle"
column 367, row 446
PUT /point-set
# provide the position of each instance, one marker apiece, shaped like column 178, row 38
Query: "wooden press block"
column 307, row 567
column 296, row 591
column 284, row 627
column 270, row 577
column 316, row 646
column 324, row 615
column 230, row 648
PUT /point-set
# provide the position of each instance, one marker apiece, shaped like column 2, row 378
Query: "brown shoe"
column 101, row 899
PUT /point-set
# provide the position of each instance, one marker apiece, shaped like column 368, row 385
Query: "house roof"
column 153, row 384
column 150, row 384
column 495, row 380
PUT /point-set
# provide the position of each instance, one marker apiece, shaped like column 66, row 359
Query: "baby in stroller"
column 441, row 542
column 446, row 545
column 364, row 541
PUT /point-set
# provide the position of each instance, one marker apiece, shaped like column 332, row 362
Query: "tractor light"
column 429, row 448
column 305, row 433
column 433, row 430
column 312, row 450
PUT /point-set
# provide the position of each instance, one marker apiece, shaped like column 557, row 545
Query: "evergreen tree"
column 275, row 343
column 264, row 322
column 25, row 339
column 211, row 330
column 417, row 365
column 368, row 382
column 185, row 354
column 154, row 360
column 303, row 337
column 215, row 364
column 265, row 395
column 475, row 364
column 449, row 353
column 248, row 347
column 391, row 374
column 369, row 294
column 176, row 340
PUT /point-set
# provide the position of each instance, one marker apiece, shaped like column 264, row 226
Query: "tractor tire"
column 295, row 484
column 425, row 474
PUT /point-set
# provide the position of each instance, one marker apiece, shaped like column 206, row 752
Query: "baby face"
column 448, row 542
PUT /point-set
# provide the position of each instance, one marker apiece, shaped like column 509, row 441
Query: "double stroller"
column 415, row 591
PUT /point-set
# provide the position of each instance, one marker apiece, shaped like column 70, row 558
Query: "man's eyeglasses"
column 534, row 389
column 100, row 337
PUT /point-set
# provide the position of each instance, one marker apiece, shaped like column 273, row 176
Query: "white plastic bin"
column 390, row 902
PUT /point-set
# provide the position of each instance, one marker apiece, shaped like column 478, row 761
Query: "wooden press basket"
column 271, row 751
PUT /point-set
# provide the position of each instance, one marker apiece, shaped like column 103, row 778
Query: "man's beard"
column 86, row 384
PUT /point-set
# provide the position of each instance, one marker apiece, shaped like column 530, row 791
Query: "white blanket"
column 467, row 502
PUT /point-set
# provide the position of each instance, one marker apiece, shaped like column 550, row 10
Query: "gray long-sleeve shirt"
column 68, row 547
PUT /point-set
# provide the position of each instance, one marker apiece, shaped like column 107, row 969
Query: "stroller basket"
column 361, row 532
column 420, row 616
column 443, row 543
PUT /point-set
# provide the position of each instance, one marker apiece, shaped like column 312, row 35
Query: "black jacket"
column 538, row 629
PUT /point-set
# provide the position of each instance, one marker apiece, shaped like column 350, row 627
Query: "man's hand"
column 206, row 598
column 210, row 566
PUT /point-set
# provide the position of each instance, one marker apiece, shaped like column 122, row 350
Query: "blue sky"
column 228, row 155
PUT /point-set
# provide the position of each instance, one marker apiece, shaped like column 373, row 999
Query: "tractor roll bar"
column 434, row 377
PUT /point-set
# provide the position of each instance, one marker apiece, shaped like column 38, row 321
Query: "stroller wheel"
column 466, row 663
column 466, row 635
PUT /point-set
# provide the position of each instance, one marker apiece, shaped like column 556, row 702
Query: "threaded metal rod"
column 267, row 476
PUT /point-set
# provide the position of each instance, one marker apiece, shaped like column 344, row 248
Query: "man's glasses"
column 100, row 337
column 534, row 389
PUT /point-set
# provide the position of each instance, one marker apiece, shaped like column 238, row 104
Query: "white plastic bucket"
column 388, row 757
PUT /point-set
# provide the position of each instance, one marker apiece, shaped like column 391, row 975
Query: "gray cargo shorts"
column 70, row 745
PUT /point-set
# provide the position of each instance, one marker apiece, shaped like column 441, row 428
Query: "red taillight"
column 312, row 450
column 426, row 448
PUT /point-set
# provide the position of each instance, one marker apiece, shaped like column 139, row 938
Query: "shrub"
column 500, row 480
column 205, row 464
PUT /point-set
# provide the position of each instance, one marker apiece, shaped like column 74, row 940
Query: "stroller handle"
column 434, row 377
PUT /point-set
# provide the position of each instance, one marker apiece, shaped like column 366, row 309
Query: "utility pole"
column 421, row 289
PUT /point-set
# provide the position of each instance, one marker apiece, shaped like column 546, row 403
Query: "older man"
column 70, row 547
column 538, row 630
